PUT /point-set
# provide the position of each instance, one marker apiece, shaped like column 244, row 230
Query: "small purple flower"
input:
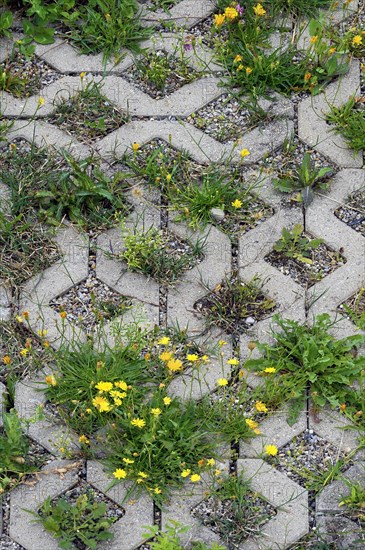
column 188, row 46
column 240, row 9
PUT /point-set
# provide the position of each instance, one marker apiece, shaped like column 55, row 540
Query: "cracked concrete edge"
column 313, row 128
column 22, row 529
column 290, row 500
column 128, row 531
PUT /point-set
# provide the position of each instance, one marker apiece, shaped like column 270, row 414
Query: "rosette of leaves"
column 304, row 178
column 294, row 244
column 309, row 357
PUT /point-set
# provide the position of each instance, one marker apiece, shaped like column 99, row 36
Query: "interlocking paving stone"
column 164, row 119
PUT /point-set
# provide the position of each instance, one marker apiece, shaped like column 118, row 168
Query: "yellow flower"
column 237, row 59
column 168, row 177
column 271, row 450
column 237, row 203
column 165, row 356
column 251, row 423
column 41, row 101
column 210, row 462
column 104, row 386
column 222, row 343
column 42, row 333
column 82, row 75
column 117, row 401
column 240, row 67
column 174, row 365
column 50, row 380
column 205, row 358
column 117, row 394
column 107, row 17
column 138, row 422
column 162, row 385
column 24, row 352
column 185, row 473
column 101, row 404
column 257, row 431
column 343, row 407
column 357, row 40
column 167, row 400
column 135, row 147
column 231, row 13
column 219, row 19
column 142, row 474
column 19, row 319
column 313, row 39
column 233, row 361
column 164, row 341
column 120, row 473
column 192, row 357
column 63, row 314
column 248, row 70
column 46, row 344
column 89, row 411
column 244, row 153
column 195, row 477
column 25, row 314
column 84, row 439
column 307, row 76
column 217, row 472
column 270, row 370
column 128, row 461
column 156, row 411
column 222, row 381
column 331, row 51
column 121, row 385
column 157, row 491
column 261, row 407
column 259, row 10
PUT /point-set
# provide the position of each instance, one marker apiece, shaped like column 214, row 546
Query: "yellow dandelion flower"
column 24, row 352
column 128, row 461
column 343, row 407
column 19, row 319
column 50, row 380
column 63, row 314
column 165, row 356
column 41, row 101
column 138, row 422
column 248, row 70
column 244, row 153
column 261, row 407
column 237, row 59
column 205, row 358
column 251, row 423
column 313, row 39
column 185, row 473
column 240, row 67
column 357, row 40
column 257, row 431
column 167, row 400
column 84, row 439
column 210, row 462
column 174, row 365
column 231, row 13
column 259, row 10
column 117, row 394
column 104, row 386
column 157, row 491
column 307, row 76
column 42, row 333
column 121, row 385
column 168, row 177
column 192, row 357
column 270, row 370
column 195, row 477
column 156, row 412
column 222, row 343
column 236, row 203
column 219, row 19
column 164, row 341
column 101, row 403
column 222, row 381
column 331, row 51
column 135, row 147
column 82, row 75
column 119, row 473
column 271, row 450
column 233, row 361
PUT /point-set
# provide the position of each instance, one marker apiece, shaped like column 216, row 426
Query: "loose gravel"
column 34, row 73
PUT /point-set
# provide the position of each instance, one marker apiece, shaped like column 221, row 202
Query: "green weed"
column 294, row 244
column 349, row 122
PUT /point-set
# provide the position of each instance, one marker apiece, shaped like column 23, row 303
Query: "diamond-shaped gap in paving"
column 26, row 77
column 317, row 262
column 89, row 114
column 352, row 212
column 354, row 308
